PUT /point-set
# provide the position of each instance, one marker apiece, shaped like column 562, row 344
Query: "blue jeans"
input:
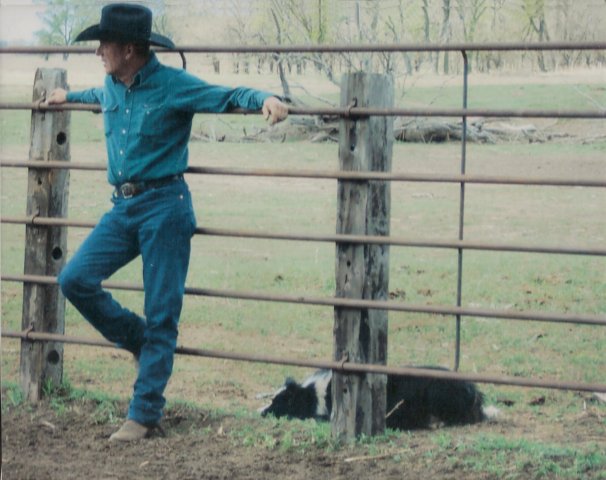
column 158, row 225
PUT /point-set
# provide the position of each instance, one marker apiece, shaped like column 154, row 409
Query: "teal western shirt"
column 148, row 125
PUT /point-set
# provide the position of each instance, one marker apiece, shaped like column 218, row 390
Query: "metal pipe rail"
column 401, row 177
column 352, row 112
column 335, row 238
column 335, row 174
column 332, row 365
column 336, row 302
column 358, row 112
column 343, row 48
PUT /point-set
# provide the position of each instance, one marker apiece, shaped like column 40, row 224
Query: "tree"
column 296, row 22
column 308, row 23
column 536, row 27
column 311, row 22
column 397, row 29
column 426, row 24
column 445, row 33
column 64, row 19
column 285, row 86
column 470, row 13
column 160, row 18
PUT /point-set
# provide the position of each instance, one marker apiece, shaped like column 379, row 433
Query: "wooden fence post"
column 45, row 246
column 362, row 271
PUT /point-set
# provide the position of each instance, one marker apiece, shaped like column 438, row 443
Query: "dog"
column 412, row 402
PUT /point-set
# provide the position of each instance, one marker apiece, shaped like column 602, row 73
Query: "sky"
column 19, row 21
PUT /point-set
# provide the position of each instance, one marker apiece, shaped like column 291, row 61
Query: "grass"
column 509, row 281
column 284, row 435
column 525, row 96
column 64, row 398
column 418, row 276
column 520, row 458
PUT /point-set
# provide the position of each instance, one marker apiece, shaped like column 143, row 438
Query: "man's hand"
column 274, row 110
column 57, row 97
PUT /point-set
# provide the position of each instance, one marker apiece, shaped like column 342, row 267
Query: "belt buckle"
column 127, row 190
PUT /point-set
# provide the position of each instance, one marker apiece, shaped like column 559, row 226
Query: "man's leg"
column 165, row 237
column 108, row 247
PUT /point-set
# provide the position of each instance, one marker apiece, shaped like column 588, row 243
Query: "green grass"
column 539, row 96
column 506, row 281
column 510, row 458
column 63, row 398
column 13, row 396
column 511, row 281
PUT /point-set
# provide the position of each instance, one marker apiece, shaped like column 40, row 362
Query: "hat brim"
column 94, row 32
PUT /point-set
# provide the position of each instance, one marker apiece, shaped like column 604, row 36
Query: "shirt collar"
column 147, row 69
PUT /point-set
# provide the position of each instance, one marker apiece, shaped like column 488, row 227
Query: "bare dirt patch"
column 70, row 442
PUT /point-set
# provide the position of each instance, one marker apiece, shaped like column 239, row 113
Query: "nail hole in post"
column 57, row 253
column 53, row 357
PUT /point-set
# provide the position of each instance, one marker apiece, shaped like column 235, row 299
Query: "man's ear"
column 129, row 50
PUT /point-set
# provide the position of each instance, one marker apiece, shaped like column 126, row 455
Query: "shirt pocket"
column 152, row 125
column 110, row 117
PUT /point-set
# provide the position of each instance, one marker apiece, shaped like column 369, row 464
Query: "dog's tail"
column 490, row 412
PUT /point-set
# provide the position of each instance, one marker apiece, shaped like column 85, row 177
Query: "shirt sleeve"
column 92, row 95
column 194, row 95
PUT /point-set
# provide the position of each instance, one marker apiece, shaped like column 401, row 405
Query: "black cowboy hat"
column 124, row 22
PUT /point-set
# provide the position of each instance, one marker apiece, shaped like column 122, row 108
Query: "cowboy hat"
column 123, row 22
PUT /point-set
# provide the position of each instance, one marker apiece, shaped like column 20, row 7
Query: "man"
column 148, row 110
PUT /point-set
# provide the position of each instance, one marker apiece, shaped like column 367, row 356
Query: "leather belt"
column 132, row 189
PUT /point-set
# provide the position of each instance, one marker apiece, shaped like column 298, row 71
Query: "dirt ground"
column 68, row 442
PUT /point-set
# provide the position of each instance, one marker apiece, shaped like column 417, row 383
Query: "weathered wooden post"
column 362, row 271
column 45, row 247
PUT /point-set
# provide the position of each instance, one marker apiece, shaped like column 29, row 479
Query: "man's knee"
column 73, row 282
column 66, row 282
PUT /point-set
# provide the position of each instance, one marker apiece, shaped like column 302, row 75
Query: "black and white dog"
column 412, row 402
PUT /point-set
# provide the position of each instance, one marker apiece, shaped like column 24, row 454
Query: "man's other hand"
column 274, row 110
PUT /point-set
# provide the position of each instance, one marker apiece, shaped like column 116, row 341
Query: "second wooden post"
column 362, row 271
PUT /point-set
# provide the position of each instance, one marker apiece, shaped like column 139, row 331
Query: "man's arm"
column 59, row 96
column 192, row 94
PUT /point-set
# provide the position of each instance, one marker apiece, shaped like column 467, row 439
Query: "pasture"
column 213, row 430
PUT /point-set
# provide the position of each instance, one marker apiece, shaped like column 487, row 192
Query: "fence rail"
column 361, row 112
column 345, row 48
column 348, row 112
column 339, row 302
column 345, row 367
column 337, row 174
column 342, row 238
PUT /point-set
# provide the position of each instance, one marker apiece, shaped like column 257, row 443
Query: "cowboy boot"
column 130, row 431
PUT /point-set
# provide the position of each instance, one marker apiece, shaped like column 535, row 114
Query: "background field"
column 228, row 390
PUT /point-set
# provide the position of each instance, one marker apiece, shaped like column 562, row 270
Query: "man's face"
column 113, row 56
